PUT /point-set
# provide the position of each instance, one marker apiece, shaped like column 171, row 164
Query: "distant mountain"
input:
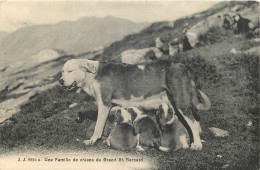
column 73, row 37
column 2, row 36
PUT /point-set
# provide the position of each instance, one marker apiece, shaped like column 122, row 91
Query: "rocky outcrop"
column 140, row 55
column 12, row 106
column 240, row 18
column 47, row 55
column 202, row 27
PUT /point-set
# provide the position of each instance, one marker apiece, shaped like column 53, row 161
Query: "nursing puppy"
column 147, row 131
column 109, row 126
column 122, row 136
column 146, row 85
column 174, row 134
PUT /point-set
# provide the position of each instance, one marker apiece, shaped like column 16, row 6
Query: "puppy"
column 148, row 132
column 90, row 115
column 174, row 134
column 109, row 126
column 122, row 136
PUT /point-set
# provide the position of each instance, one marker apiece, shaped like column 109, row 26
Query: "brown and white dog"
column 122, row 136
column 146, row 129
column 174, row 134
column 138, row 85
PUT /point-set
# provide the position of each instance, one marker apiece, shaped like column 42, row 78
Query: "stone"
column 73, row 105
column 203, row 27
column 218, row 132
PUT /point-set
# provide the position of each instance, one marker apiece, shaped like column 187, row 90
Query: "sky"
column 17, row 14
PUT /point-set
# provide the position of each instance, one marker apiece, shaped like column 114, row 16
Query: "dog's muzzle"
column 61, row 81
column 72, row 86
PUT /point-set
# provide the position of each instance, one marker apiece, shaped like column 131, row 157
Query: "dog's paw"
column 185, row 146
column 87, row 142
column 139, row 148
column 107, row 141
column 196, row 146
column 91, row 141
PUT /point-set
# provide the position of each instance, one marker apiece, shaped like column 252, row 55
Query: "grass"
column 46, row 121
column 231, row 82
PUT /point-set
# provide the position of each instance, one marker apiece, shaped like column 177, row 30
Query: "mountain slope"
column 72, row 37
column 2, row 36
column 146, row 38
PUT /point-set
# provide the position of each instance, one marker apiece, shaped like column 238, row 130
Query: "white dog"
column 131, row 85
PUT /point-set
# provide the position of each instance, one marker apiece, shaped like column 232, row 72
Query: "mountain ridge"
column 75, row 37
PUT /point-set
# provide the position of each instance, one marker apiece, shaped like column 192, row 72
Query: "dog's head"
column 165, row 115
column 121, row 115
column 77, row 71
column 135, row 112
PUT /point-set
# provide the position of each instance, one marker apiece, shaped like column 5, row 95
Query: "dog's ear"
column 159, row 112
column 170, row 113
column 87, row 66
column 173, row 120
column 119, row 117
column 132, row 113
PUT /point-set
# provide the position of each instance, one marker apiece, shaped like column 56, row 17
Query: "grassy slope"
column 229, row 80
column 47, row 122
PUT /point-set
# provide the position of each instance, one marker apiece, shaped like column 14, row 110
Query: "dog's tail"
column 199, row 99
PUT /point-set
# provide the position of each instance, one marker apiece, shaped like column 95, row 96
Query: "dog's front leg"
column 103, row 112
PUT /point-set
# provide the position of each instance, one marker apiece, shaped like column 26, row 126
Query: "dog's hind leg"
column 196, row 145
column 189, row 124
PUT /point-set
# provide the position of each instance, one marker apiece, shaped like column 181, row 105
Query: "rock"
column 225, row 166
column 78, row 91
column 46, row 55
column 236, row 8
column 218, row 132
column 228, row 22
column 256, row 32
column 73, row 105
column 158, row 43
column 219, row 156
column 254, row 50
column 173, row 49
column 252, row 14
column 249, row 124
column 12, row 106
column 234, row 51
column 255, row 41
column 202, row 27
column 141, row 55
column 171, row 24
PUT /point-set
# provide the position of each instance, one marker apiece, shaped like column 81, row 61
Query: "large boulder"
column 203, row 27
column 252, row 14
column 47, row 55
column 141, row 55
